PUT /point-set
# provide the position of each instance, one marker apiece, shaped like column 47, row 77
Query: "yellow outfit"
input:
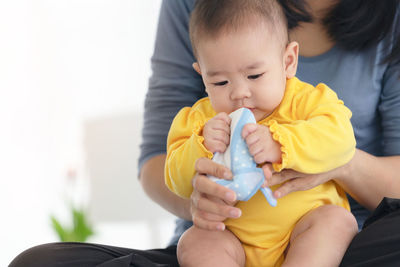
column 314, row 130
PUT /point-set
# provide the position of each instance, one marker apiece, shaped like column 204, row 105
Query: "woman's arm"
column 366, row 178
column 173, row 85
column 369, row 178
column 152, row 180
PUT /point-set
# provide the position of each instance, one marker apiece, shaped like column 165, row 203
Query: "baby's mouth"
column 251, row 109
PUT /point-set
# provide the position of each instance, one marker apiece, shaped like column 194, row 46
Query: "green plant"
column 80, row 230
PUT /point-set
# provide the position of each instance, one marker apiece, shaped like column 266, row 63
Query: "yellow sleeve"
column 321, row 136
column 184, row 147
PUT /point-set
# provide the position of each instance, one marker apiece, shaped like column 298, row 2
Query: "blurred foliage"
column 80, row 230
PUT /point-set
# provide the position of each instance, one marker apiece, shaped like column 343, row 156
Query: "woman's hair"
column 352, row 24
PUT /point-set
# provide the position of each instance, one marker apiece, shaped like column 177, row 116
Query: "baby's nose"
column 239, row 92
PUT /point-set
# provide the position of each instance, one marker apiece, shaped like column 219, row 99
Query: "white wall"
column 62, row 63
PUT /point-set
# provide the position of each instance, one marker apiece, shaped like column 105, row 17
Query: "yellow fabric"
column 264, row 231
column 314, row 130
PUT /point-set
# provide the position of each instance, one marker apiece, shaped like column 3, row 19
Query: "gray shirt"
column 370, row 88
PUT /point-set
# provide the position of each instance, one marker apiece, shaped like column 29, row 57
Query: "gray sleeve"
column 390, row 110
column 390, row 103
column 173, row 84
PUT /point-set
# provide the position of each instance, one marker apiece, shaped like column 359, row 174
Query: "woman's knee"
column 42, row 255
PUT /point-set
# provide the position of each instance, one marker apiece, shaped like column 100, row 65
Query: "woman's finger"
column 208, row 167
column 214, row 206
column 203, row 213
column 202, row 223
column 221, row 209
column 283, row 176
column 298, row 184
column 203, row 185
column 209, row 212
column 286, row 188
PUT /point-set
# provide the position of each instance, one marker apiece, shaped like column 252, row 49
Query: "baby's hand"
column 262, row 146
column 216, row 133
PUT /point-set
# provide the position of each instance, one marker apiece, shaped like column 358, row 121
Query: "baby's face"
column 245, row 68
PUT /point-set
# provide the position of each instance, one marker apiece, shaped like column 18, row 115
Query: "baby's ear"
column 291, row 59
column 196, row 67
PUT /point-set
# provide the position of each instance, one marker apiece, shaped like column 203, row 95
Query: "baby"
column 246, row 60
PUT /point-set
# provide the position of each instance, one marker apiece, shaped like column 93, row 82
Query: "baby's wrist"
column 277, row 152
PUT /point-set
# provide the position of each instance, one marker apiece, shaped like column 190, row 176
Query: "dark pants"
column 86, row 254
column 378, row 244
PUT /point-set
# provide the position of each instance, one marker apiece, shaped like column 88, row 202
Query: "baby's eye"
column 254, row 77
column 220, row 83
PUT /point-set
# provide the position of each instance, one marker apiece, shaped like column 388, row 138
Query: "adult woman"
column 353, row 46
column 343, row 44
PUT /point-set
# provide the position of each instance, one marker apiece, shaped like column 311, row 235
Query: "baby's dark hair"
column 210, row 18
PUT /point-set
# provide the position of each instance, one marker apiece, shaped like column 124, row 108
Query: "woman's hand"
column 297, row 181
column 212, row 203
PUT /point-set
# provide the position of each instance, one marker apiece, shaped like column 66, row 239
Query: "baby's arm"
column 319, row 137
column 184, row 147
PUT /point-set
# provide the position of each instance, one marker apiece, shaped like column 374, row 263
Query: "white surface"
column 111, row 145
column 63, row 62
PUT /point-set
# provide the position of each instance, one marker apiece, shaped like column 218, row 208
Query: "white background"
column 64, row 63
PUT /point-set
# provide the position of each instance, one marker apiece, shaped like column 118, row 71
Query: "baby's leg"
column 198, row 247
column 321, row 237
